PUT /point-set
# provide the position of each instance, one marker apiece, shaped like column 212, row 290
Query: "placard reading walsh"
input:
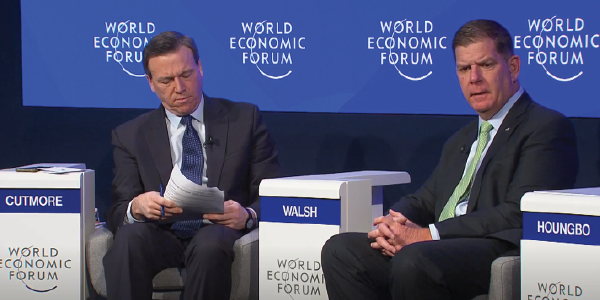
column 292, row 233
column 36, row 261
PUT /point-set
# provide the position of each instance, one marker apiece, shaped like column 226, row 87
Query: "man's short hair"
column 165, row 43
column 479, row 30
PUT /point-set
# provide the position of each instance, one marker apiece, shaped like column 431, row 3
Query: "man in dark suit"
column 439, row 242
column 216, row 143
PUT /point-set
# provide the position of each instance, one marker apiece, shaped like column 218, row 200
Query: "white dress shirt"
column 496, row 122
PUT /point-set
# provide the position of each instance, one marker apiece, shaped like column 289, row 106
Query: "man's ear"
column 200, row 68
column 514, row 63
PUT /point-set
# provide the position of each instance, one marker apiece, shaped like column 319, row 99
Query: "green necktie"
column 463, row 188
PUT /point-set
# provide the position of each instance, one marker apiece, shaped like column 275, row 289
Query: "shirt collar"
column 198, row 114
column 497, row 119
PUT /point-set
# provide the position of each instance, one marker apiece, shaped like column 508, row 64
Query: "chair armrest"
column 99, row 242
column 246, row 240
column 506, row 278
column 244, row 271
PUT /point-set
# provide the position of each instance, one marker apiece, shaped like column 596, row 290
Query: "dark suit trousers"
column 445, row 269
column 141, row 250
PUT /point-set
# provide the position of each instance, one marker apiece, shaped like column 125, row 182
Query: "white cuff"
column 435, row 235
column 129, row 219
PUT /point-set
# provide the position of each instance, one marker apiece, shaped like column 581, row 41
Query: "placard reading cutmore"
column 292, row 233
column 40, row 245
column 558, row 256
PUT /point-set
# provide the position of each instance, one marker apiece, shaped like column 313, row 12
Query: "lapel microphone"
column 209, row 142
column 462, row 149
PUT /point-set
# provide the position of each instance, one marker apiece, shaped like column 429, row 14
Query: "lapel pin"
column 507, row 129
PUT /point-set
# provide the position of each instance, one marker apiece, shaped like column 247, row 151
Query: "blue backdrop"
column 314, row 56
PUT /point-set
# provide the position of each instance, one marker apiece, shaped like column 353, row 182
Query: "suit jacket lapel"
column 509, row 125
column 217, row 125
column 157, row 139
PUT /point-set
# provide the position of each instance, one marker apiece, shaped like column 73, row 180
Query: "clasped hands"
column 395, row 231
column 147, row 206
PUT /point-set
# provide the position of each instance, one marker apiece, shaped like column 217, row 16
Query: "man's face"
column 177, row 80
column 486, row 78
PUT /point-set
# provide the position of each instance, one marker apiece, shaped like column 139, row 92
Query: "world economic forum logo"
column 39, row 269
column 558, row 45
column 123, row 45
column 407, row 46
column 269, row 46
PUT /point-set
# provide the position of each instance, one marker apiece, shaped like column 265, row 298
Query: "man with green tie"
column 439, row 243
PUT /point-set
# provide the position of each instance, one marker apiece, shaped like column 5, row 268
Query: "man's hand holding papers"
column 147, row 206
column 234, row 216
